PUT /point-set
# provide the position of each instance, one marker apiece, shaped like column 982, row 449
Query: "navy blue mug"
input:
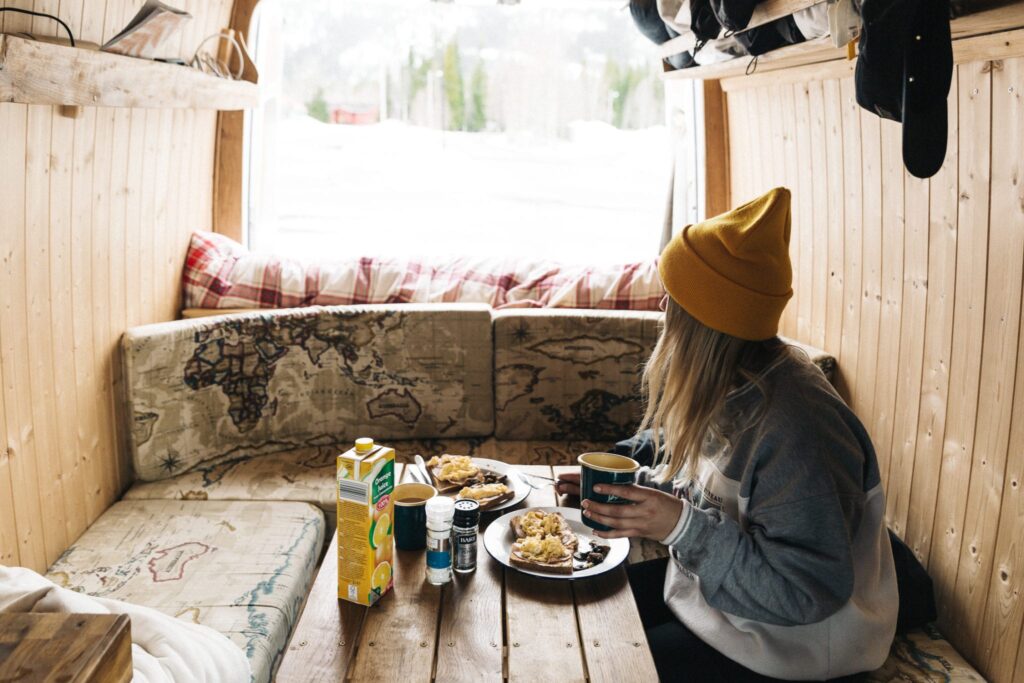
column 411, row 515
column 604, row 468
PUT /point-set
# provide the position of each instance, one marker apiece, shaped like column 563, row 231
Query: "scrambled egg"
column 537, row 523
column 547, row 549
column 453, row 467
column 483, row 491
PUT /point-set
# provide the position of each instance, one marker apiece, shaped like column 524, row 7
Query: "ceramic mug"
column 604, row 468
column 411, row 515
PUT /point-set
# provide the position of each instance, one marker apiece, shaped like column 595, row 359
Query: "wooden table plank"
column 543, row 640
column 398, row 640
column 610, row 629
column 327, row 630
column 469, row 644
column 325, row 637
column 85, row 648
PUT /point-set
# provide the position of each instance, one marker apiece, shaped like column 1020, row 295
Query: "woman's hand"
column 649, row 514
column 568, row 484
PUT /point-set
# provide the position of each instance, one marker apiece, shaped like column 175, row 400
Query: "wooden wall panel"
column 849, row 346
column 992, row 506
column 946, row 535
column 833, row 122
column 790, row 164
column 96, row 215
column 890, row 297
column 918, row 477
column 916, row 286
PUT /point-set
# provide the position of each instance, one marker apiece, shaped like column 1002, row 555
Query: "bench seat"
column 242, row 568
column 307, row 474
column 923, row 656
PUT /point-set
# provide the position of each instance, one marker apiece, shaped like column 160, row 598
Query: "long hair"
column 686, row 380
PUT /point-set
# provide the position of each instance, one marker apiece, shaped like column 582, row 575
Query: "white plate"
column 498, row 540
column 514, row 480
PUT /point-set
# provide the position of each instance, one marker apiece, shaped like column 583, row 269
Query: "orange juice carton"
column 366, row 479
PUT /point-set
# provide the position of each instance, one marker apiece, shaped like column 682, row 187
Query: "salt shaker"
column 440, row 511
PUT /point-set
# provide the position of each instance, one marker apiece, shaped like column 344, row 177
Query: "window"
column 473, row 128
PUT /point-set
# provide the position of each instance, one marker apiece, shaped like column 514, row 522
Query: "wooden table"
column 73, row 648
column 494, row 624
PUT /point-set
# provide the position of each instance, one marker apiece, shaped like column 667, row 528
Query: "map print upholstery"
column 565, row 374
column 241, row 568
column 267, row 382
column 924, row 656
column 308, row 474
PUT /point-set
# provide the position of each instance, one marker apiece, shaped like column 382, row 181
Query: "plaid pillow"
column 220, row 273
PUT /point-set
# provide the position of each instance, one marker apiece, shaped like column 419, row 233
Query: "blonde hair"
column 686, row 380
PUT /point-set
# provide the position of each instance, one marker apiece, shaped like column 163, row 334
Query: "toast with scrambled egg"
column 546, row 554
column 451, row 472
column 540, row 524
column 544, row 542
column 487, row 495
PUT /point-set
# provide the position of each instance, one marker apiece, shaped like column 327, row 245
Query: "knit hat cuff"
column 717, row 301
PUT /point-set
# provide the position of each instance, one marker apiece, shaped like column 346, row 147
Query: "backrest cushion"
column 202, row 389
column 569, row 374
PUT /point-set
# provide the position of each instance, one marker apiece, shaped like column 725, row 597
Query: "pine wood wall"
column 95, row 216
column 916, row 287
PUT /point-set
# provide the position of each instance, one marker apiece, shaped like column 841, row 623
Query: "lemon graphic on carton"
column 380, row 531
column 381, row 577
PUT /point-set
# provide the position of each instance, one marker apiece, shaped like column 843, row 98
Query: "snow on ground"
column 394, row 189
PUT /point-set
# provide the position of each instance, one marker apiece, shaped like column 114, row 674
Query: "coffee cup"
column 411, row 515
column 604, row 468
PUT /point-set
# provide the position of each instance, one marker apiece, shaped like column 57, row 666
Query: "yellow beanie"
column 732, row 272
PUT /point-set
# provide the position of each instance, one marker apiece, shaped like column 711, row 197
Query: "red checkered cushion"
column 220, row 273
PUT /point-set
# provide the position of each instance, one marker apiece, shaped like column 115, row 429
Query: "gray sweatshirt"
column 781, row 559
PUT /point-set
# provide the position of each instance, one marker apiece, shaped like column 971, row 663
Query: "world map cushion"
column 570, row 374
column 574, row 374
column 923, row 656
column 207, row 389
column 241, row 568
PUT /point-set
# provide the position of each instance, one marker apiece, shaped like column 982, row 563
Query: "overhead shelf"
column 809, row 52
column 36, row 72
column 821, row 50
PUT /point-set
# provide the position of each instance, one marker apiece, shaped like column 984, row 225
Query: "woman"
column 766, row 490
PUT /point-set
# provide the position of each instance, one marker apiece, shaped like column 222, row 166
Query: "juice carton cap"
column 440, row 509
column 364, row 445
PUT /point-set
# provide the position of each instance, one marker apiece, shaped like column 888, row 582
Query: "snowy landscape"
column 410, row 192
column 568, row 159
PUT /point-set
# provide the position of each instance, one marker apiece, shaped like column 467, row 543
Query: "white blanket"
column 164, row 649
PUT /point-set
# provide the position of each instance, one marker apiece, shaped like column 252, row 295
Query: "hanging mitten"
column 770, row 36
column 734, row 15
column 703, row 22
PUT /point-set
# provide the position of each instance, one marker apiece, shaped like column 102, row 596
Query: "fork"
column 526, row 480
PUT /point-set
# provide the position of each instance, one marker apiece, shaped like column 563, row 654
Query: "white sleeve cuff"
column 680, row 528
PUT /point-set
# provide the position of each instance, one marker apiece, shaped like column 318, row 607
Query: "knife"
column 414, row 472
column 422, row 468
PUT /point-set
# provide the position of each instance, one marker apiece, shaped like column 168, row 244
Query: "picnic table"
column 494, row 624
